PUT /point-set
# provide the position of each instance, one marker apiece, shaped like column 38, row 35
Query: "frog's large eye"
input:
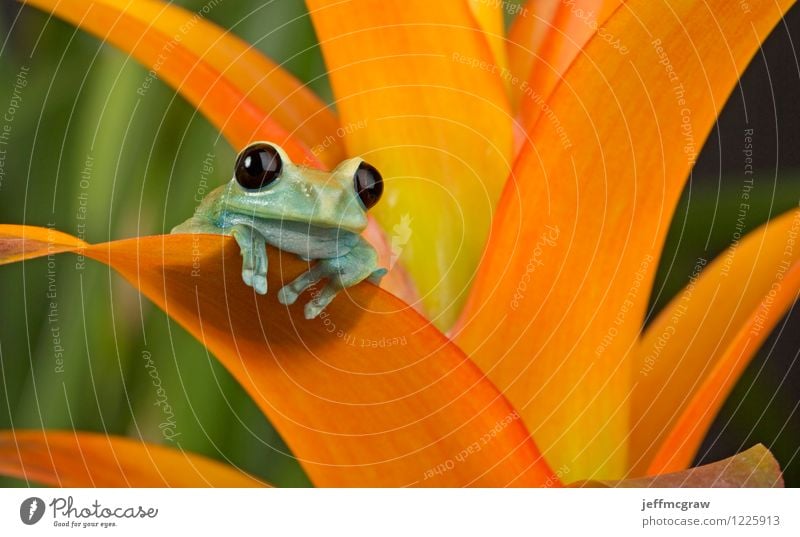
column 257, row 166
column 368, row 184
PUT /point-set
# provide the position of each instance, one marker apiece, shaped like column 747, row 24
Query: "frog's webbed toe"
column 254, row 257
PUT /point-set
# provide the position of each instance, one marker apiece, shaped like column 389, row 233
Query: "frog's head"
column 267, row 184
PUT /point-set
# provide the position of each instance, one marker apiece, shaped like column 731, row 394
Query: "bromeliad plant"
column 540, row 171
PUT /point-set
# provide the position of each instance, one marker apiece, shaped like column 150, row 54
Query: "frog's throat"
column 289, row 225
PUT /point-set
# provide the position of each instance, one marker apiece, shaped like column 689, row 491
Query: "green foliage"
column 91, row 157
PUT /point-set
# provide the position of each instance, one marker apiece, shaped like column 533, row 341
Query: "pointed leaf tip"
column 18, row 243
column 83, row 459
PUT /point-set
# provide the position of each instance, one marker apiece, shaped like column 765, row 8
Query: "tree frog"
column 314, row 214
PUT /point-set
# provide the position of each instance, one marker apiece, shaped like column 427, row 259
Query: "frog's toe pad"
column 313, row 309
column 287, row 295
column 257, row 281
column 320, row 302
column 260, row 284
column 247, row 277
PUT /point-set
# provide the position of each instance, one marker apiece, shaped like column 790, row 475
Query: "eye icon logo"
column 31, row 510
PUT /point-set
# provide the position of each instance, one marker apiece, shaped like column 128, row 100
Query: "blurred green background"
column 141, row 159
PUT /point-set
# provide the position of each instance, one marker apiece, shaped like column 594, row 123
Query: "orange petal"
column 491, row 20
column 754, row 468
column 368, row 394
column 245, row 95
column 580, row 227
column 526, row 36
column 572, row 26
column 694, row 352
column 421, row 97
column 26, row 242
column 80, row 459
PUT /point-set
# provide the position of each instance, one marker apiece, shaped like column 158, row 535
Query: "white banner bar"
column 399, row 512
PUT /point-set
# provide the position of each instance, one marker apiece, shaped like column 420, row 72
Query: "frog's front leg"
column 359, row 264
column 252, row 245
column 254, row 256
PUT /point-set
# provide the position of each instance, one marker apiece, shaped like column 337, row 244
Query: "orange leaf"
column 694, row 352
column 242, row 93
column 80, row 459
column 367, row 394
column 421, row 97
column 17, row 244
column 581, row 225
column 572, row 25
column 490, row 19
column 754, row 468
column 526, row 36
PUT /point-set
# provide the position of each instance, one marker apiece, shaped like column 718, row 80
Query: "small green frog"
column 314, row 214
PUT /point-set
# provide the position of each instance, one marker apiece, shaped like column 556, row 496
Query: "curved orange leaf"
column 368, row 394
column 694, row 352
column 572, row 25
column 81, row 459
column 525, row 38
column 581, row 224
column 242, row 93
column 421, row 97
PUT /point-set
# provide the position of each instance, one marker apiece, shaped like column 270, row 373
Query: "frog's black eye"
column 257, row 166
column 368, row 184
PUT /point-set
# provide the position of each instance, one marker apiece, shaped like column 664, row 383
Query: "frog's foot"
column 339, row 272
column 254, row 257
column 328, row 293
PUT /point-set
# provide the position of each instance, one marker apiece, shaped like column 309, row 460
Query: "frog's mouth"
column 306, row 228
column 317, row 222
column 323, row 211
column 289, row 226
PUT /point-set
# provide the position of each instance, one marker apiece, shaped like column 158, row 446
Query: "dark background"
column 764, row 405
